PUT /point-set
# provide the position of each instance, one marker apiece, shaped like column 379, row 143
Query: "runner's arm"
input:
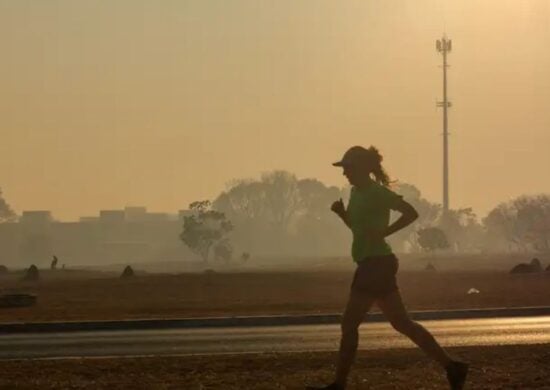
column 408, row 216
column 339, row 209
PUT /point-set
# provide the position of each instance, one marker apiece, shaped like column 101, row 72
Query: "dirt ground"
column 66, row 295
column 499, row 367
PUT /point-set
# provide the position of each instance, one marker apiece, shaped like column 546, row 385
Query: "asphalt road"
column 527, row 330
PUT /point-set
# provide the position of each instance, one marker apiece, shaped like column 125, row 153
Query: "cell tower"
column 444, row 46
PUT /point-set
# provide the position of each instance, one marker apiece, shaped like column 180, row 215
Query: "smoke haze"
column 107, row 104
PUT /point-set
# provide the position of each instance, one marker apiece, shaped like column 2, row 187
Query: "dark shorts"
column 375, row 276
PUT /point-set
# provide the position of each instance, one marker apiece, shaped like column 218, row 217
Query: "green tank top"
column 369, row 208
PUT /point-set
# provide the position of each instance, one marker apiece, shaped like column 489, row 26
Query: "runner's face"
column 356, row 174
column 351, row 173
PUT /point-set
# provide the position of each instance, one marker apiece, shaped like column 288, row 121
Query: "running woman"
column 374, row 281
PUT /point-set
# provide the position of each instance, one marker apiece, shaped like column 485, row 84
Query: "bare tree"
column 523, row 223
column 263, row 210
column 533, row 215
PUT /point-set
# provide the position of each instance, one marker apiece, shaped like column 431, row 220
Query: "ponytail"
column 375, row 162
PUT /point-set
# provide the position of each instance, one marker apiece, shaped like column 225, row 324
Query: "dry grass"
column 87, row 296
column 503, row 367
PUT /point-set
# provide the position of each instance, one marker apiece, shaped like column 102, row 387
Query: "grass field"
column 64, row 295
column 499, row 367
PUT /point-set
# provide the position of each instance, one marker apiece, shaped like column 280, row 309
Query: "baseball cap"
column 356, row 155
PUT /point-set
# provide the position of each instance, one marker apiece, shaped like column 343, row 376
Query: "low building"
column 115, row 236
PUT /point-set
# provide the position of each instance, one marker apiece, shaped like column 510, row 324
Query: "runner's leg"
column 357, row 307
column 394, row 310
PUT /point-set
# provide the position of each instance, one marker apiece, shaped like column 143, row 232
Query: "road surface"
column 529, row 330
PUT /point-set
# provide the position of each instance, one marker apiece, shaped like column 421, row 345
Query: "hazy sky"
column 158, row 103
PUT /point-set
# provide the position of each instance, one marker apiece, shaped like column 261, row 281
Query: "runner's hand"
column 338, row 207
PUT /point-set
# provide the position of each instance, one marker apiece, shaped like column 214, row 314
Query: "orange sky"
column 107, row 104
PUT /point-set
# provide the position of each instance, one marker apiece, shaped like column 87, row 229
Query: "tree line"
column 279, row 214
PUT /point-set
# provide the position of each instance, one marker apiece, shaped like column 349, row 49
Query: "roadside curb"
column 253, row 321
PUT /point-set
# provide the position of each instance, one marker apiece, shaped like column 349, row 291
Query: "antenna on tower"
column 444, row 46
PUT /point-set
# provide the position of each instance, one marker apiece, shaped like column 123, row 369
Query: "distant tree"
column 462, row 228
column 245, row 257
column 279, row 213
column 534, row 219
column 263, row 211
column 283, row 197
column 315, row 196
column 205, row 229
column 6, row 213
column 273, row 200
column 316, row 230
column 242, row 201
column 432, row 239
column 502, row 225
column 523, row 223
column 223, row 250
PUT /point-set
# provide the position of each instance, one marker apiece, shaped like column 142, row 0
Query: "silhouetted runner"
column 374, row 282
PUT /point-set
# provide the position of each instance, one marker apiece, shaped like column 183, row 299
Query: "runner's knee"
column 405, row 326
column 349, row 328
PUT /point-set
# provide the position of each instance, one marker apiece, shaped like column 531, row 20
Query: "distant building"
column 35, row 235
column 36, row 218
column 158, row 217
column 115, row 236
column 112, row 216
column 135, row 214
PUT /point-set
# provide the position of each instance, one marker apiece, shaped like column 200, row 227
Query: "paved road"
column 530, row 330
